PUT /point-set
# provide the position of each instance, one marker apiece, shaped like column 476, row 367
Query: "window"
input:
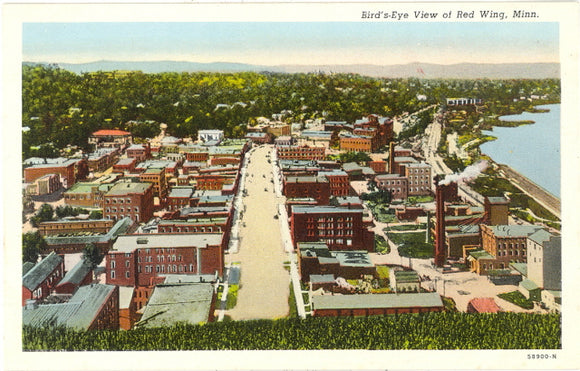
column 127, row 274
column 113, row 263
column 112, row 274
column 127, row 263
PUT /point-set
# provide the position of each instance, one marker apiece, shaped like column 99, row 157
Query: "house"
column 41, row 279
column 92, row 307
column 375, row 304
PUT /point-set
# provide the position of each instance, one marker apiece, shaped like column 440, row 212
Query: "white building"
column 544, row 258
column 210, row 135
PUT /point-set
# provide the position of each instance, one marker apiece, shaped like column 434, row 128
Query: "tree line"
column 61, row 108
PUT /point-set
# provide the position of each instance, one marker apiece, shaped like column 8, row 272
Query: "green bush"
column 517, row 298
column 381, row 245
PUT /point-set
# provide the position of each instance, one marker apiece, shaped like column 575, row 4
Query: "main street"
column 264, row 283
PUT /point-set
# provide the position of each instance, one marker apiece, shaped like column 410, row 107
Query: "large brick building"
column 502, row 245
column 396, row 184
column 140, row 152
column 69, row 170
column 134, row 200
column 338, row 181
column 419, row 179
column 301, row 152
column 341, row 228
column 304, row 187
column 75, row 226
column 92, row 307
column 136, row 260
column 90, row 195
column 156, row 176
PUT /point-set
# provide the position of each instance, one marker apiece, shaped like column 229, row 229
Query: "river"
column 532, row 150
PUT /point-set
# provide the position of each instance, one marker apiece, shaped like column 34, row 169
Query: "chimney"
column 440, row 191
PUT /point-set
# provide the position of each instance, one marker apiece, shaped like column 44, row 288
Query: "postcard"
column 290, row 185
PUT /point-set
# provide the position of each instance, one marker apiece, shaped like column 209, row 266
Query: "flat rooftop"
column 425, row 300
column 128, row 243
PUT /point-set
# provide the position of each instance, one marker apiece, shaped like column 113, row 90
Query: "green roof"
column 514, row 230
column 520, row 267
column 430, row 299
column 529, row 285
column 481, row 254
column 27, row 267
column 406, row 276
column 82, row 188
column 177, row 303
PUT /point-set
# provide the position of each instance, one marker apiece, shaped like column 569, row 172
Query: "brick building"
column 156, row 176
column 379, row 167
column 90, row 195
column 74, row 226
column 80, row 275
column 179, row 197
column 355, row 143
column 419, row 178
column 140, row 152
column 338, row 181
column 41, row 279
column 134, row 200
column 396, row 184
column 502, row 245
column 304, row 187
column 92, row 307
column 341, row 228
column 44, row 185
column 102, row 159
column 259, row 138
column 301, row 152
column 125, row 165
column 136, row 260
column 69, row 170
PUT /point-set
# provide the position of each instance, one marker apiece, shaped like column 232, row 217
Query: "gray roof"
column 498, row 200
column 34, row 277
column 540, row 236
column 78, row 313
column 350, row 166
column 128, row 243
column 322, row 210
column 353, row 258
column 181, row 192
column 306, row 179
column 322, row 278
column 178, row 303
column 520, row 267
column 529, row 285
column 405, row 159
column 125, row 161
column 122, row 189
column 76, row 274
column 514, row 230
column 27, row 267
column 189, row 278
column 122, row 226
column 429, row 299
column 390, row 176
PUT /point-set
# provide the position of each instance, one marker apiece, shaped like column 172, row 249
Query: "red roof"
column 106, row 133
column 485, row 305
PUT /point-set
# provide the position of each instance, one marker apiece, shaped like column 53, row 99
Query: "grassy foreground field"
column 410, row 331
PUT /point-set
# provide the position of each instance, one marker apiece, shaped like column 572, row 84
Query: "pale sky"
column 278, row 43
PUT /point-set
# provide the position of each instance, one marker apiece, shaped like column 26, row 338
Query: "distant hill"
column 419, row 70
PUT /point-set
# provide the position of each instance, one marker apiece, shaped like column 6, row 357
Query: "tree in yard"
column 92, row 256
column 45, row 213
column 32, row 245
column 372, row 185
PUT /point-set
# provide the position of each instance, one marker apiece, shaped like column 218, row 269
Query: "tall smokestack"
column 440, row 191
column 391, row 157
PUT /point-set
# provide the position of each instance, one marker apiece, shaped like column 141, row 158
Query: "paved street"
column 264, row 283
